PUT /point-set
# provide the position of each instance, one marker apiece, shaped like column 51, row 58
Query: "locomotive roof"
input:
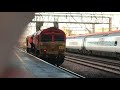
column 51, row 28
column 45, row 30
column 48, row 29
column 99, row 33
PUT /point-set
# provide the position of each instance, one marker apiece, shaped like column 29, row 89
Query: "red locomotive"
column 48, row 44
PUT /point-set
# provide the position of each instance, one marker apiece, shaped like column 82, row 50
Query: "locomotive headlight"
column 45, row 50
column 61, row 47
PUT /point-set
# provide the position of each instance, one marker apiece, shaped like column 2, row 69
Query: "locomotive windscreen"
column 58, row 38
column 46, row 38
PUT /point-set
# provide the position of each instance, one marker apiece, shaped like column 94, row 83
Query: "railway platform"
column 37, row 67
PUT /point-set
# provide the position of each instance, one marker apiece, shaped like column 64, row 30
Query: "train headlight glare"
column 45, row 50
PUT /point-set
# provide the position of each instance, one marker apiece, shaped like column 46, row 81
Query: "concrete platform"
column 37, row 67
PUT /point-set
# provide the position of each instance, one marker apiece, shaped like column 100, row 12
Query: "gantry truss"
column 80, row 18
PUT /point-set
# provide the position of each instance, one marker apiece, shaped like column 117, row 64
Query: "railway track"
column 78, row 75
column 108, row 66
column 96, row 59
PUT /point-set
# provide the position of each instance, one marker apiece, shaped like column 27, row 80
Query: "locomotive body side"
column 103, row 44
column 94, row 42
column 28, row 45
column 74, row 44
column 36, row 41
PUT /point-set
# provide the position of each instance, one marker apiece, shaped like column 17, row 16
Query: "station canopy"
column 78, row 22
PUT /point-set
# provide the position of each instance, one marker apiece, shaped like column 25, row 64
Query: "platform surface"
column 37, row 67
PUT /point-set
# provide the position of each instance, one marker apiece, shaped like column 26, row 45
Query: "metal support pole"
column 38, row 25
column 102, row 29
column 93, row 27
column 110, row 24
column 56, row 24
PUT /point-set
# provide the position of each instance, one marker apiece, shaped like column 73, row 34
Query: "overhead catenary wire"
column 80, row 25
column 74, row 19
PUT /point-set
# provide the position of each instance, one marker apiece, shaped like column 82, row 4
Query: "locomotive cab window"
column 46, row 38
column 115, row 43
column 58, row 38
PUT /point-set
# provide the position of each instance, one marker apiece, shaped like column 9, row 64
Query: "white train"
column 102, row 44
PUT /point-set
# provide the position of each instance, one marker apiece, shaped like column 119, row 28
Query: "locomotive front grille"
column 51, row 48
column 53, row 52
